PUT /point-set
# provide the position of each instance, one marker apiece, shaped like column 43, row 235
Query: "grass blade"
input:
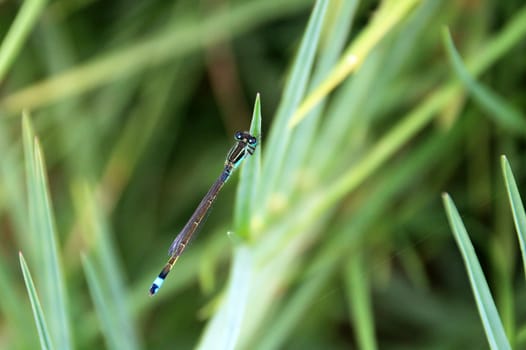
column 248, row 179
column 517, row 207
column 485, row 304
column 50, row 276
column 29, row 153
column 336, row 28
column 223, row 330
column 40, row 321
column 360, row 301
column 389, row 15
column 498, row 109
column 423, row 113
column 292, row 94
column 18, row 33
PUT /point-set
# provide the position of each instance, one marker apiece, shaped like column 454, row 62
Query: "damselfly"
column 245, row 146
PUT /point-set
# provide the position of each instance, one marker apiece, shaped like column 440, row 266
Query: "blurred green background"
column 336, row 237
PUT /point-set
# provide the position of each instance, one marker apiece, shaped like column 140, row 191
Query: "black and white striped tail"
column 157, row 284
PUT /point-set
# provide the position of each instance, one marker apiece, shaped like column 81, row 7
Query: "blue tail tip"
column 153, row 289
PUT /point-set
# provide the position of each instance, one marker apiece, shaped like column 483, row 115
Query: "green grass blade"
column 18, row 33
column 517, row 207
column 292, row 94
column 40, row 321
column 50, row 276
column 485, row 304
column 29, row 155
column 357, row 287
column 13, row 309
column 223, row 330
column 248, row 179
column 498, row 109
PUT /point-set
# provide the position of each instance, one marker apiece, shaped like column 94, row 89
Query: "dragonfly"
column 245, row 145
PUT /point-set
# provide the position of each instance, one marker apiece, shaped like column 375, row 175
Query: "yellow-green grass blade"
column 353, row 106
column 501, row 111
column 485, row 304
column 38, row 314
column 279, row 136
column 46, row 256
column 246, row 199
column 387, row 17
column 18, row 33
column 422, row 114
column 517, row 207
column 295, row 173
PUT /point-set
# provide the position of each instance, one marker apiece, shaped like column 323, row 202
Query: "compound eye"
column 238, row 136
column 252, row 140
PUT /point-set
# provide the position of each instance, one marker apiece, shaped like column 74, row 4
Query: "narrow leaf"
column 29, row 156
column 224, row 329
column 517, row 207
column 248, row 179
column 360, row 302
column 497, row 108
column 18, row 33
column 293, row 93
column 388, row 16
column 486, row 306
column 50, row 270
column 40, row 321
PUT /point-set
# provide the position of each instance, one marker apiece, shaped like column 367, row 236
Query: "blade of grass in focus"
column 45, row 338
column 248, row 180
column 485, row 304
column 517, row 207
column 49, row 271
